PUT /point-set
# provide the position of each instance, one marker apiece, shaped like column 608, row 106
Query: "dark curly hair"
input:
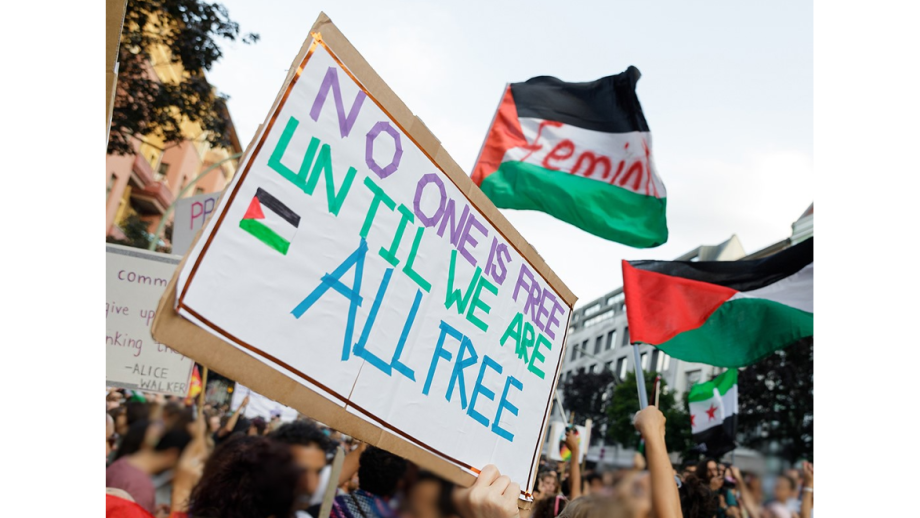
column 247, row 477
column 302, row 433
column 696, row 499
column 379, row 472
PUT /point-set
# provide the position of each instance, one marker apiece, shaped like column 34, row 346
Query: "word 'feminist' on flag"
column 714, row 413
column 580, row 152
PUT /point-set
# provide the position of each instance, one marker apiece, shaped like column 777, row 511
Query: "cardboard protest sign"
column 354, row 272
column 191, row 213
column 135, row 281
column 114, row 21
column 558, row 451
column 260, row 406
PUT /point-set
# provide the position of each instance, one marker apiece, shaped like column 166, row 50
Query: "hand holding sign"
column 492, row 495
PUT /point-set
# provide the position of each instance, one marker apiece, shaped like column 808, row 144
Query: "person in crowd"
column 234, row 424
column 696, row 498
column 120, row 416
column 132, row 472
column 245, row 477
column 783, row 492
column 594, row 483
column 430, row 497
column 256, row 426
column 110, row 436
column 710, row 474
column 794, row 503
column 310, row 448
column 379, row 474
column 547, row 485
column 213, row 420
column 808, row 489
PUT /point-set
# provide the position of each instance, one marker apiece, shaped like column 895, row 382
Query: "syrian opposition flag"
column 723, row 313
column 714, row 413
column 581, row 152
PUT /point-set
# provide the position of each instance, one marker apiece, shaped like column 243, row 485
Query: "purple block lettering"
column 426, row 179
column 331, row 81
column 382, row 172
column 468, row 237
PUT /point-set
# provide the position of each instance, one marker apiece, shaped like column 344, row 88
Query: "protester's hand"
column 650, row 423
column 736, row 473
column 808, row 474
column 191, row 465
column 162, row 511
column 572, row 440
column 245, row 401
column 492, row 495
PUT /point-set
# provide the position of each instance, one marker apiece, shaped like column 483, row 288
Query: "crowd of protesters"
column 163, row 460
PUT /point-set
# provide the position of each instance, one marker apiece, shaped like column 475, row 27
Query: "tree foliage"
column 584, row 395
column 776, row 402
column 626, row 403
column 190, row 30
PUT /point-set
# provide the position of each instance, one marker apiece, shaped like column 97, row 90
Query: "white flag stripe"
column 796, row 291
column 724, row 406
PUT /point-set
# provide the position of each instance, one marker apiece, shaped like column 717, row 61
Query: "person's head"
column 120, row 416
column 109, row 435
column 176, row 415
column 213, row 418
column 688, row 468
column 134, row 440
column 113, row 400
column 247, row 477
column 707, row 469
column 785, row 488
column 430, row 497
column 256, row 426
column 795, row 475
column 379, row 472
column 549, row 507
column 309, row 446
column 169, row 448
column 137, row 411
column 547, row 484
column 696, row 499
column 593, row 506
column 594, row 482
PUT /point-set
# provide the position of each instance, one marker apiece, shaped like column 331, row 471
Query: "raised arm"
column 808, row 489
column 665, row 498
column 231, row 423
column 571, row 440
column 351, row 463
column 747, row 498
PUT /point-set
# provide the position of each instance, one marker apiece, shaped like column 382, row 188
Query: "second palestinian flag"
column 723, row 313
column 714, row 413
column 581, row 152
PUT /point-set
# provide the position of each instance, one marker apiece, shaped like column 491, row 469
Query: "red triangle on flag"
column 255, row 210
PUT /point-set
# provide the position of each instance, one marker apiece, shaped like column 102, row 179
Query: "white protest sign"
column 349, row 260
column 190, row 215
column 135, row 280
column 558, row 451
column 260, row 406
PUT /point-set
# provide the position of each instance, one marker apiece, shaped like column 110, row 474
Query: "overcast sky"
column 726, row 88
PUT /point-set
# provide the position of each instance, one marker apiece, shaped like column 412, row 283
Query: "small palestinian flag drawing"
column 714, row 413
column 580, row 152
column 275, row 230
column 723, row 313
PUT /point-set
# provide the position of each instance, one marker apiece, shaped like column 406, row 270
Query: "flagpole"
column 640, row 378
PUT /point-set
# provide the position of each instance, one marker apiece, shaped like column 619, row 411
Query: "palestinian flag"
column 194, row 387
column 580, row 152
column 278, row 228
column 714, row 413
column 724, row 313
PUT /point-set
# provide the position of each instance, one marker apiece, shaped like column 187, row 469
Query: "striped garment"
column 361, row 504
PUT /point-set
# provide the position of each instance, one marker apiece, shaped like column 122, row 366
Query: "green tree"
column 589, row 395
column 136, row 235
column 626, row 403
column 190, row 30
column 776, row 402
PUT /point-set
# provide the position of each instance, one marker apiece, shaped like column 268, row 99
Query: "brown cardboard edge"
column 432, row 146
column 114, row 22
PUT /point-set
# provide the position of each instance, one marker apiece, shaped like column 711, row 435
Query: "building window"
column 597, row 344
column 611, row 337
column 574, row 352
column 693, row 377
column 162, row 170
column 625, row 336
column 199, row 190
column 644, row 360
column 590, row 310
column 615, row 299
column 621, row 369
column 597, row 319
column 584, row 348
column 608, row 366
column 663, row 361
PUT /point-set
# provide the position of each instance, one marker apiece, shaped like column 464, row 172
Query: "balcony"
column 141, row 172
column 155, row 198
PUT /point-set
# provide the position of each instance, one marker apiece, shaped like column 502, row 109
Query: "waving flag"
column 714, row 413
column 580, row 152
column 724, row 313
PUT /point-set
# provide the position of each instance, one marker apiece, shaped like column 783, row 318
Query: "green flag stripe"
column 722, row 383
column 605, row 210
column 265, row 235
column 740, row 333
